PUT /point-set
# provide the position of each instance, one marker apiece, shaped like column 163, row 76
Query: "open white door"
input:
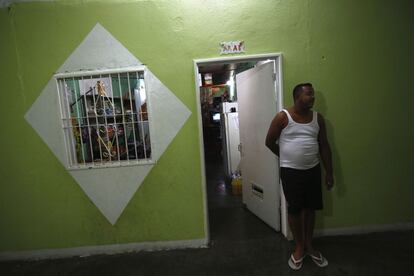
column 256, row 95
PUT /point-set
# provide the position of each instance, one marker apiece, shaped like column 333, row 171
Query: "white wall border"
column 101, row 249
column 367, row 229
column 180, row 244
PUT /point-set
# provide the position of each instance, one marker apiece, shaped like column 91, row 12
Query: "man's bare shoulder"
column 281, row 119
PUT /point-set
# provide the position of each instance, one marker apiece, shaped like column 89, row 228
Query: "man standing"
column 302, row 143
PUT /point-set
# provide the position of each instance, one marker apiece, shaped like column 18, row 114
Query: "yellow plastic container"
column 236, row 185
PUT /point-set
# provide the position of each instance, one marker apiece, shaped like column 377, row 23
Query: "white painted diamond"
column 110, row 189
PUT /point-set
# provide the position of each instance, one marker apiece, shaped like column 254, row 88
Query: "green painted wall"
column 358, row 55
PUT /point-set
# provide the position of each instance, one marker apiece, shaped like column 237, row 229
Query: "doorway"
column 236, row 99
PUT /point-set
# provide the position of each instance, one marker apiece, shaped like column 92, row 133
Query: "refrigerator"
column 229, row 124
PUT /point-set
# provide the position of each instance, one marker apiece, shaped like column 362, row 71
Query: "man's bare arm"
column 273, row 134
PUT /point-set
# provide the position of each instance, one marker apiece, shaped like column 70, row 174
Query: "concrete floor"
column 241, row 244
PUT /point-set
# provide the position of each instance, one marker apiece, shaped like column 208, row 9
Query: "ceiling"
column 221, row 72
column 219, row 68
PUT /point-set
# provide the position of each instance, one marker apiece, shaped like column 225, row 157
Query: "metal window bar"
column 148, row 132
column 62, row 116
column 123, row 116
column 132, row 116
column 128, row 119
column 148, row 111
column 88, row 124
column 81, row 122
column 107, row 145
column 138, row 106
column 142, row 121
column 67, row 133
column 63, row 123
column 69, row 129
column 78, row 121
column 96, row 124
column 84, row 120
column 66, row 123
column 115, row 120
column 98, row 127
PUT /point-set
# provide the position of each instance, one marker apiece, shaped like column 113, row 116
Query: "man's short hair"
column 298, row 89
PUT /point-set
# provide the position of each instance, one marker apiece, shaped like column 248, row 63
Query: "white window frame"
column 66, row 124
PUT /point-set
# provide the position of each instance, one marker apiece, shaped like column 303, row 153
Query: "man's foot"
column 318, row 259
column 296, row 264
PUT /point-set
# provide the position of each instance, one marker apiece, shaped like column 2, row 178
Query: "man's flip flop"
column 319, row 260
column 296, row 264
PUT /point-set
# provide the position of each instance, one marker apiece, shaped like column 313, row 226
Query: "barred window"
column 105, row 117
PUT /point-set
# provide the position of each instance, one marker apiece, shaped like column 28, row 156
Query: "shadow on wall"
column 339, row 188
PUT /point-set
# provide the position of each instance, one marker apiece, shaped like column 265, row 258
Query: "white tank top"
column 298, row 144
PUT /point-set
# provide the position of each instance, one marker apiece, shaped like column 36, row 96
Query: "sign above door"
column 232, row 47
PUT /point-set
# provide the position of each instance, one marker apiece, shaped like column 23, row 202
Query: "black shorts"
column 302, row 188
